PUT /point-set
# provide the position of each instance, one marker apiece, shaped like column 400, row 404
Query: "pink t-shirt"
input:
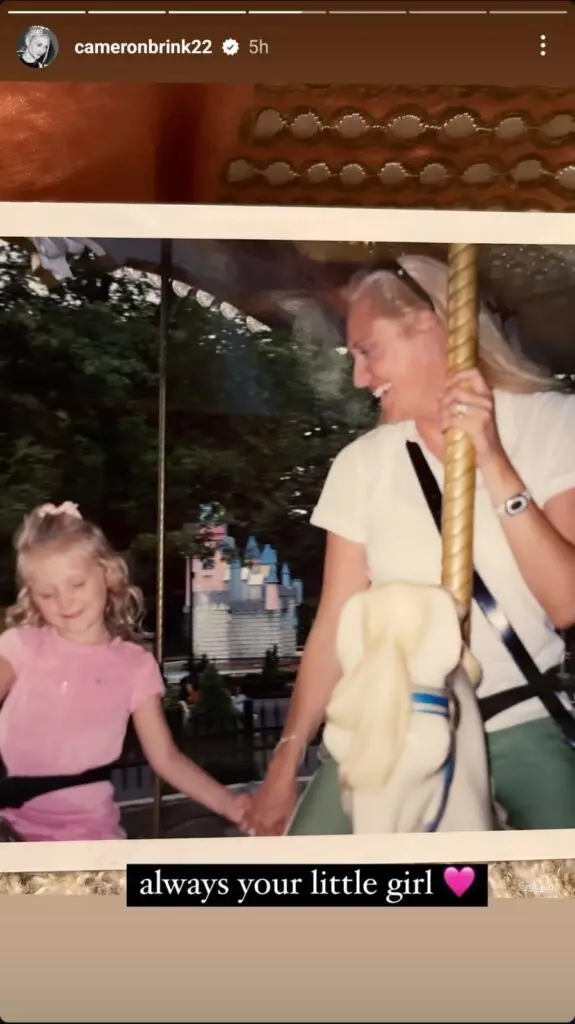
column 68, row 711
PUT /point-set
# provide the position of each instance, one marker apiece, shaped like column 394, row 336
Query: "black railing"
column 234, row 748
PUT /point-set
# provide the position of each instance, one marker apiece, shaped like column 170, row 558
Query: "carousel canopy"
column 301, row 284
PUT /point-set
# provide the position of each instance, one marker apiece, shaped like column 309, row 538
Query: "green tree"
column 76, row 365
column 254, row 419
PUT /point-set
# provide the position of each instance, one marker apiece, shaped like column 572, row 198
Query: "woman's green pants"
column 532, row 767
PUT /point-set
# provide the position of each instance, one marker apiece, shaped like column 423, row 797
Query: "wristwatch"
column 515, row 504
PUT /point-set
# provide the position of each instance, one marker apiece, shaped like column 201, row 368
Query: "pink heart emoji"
column 459, row 879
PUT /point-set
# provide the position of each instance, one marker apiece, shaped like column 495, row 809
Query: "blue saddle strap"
column 437, row 704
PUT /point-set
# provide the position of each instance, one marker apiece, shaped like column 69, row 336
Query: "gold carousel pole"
column 165, row 302
column 459, row 486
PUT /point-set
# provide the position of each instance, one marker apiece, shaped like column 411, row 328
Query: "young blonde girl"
column 72, row 672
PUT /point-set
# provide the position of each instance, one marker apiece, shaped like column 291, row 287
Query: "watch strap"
column 515, row 504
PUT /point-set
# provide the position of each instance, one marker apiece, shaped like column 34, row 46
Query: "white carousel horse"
column 403, row 723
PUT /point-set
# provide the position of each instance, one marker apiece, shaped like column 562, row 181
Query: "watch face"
column 516, row 504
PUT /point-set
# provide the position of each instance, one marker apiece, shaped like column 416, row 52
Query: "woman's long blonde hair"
column 502, row 366
column 41, row 529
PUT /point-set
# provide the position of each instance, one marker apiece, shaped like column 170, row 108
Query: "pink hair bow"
column 67, row 508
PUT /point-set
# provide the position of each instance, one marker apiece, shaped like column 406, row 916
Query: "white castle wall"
column 287, row 642
column 252, row 635
column 211, row 627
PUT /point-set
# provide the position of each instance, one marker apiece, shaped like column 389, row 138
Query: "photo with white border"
column 295, row 274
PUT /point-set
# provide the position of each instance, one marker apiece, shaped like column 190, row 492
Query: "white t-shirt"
column 372, row 496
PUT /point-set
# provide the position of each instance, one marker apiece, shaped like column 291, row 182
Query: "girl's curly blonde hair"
column 48, row 526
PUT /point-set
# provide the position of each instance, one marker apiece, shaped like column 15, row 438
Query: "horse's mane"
column 411, row 637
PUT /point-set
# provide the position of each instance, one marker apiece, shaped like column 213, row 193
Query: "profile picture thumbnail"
column 37, row 47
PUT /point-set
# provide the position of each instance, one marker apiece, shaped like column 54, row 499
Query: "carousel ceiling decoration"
column 474, row 148
column 431, row 176
column 440, row 147
column 467, row 148
column 302, row 284
column 357, row 127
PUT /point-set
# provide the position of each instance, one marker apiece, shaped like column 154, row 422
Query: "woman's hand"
column 467, row 404
column 273, row 804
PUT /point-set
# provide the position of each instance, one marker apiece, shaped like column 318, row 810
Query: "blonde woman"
column 38, row 48
column 379, row 528
column 72, row 672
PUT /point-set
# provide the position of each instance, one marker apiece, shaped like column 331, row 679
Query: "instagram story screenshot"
column 287, row 531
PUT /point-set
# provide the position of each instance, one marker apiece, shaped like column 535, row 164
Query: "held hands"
column 467, row 404
column 267, row 812
column 241, row 812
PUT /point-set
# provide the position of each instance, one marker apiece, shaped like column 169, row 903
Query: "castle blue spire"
column 286, row 576
column 268, row 556
column 252, row 551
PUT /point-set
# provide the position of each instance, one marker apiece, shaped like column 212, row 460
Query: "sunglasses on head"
column 394, row 267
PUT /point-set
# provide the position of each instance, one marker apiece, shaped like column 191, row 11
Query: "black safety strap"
column 538, row 684
column 17, row 790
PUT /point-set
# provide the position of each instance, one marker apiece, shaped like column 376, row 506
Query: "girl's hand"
column 467, row 404
column 240, row 812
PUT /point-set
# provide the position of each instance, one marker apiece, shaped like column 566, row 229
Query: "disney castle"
column 244, row 604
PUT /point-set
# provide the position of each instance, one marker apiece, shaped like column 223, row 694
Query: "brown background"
column 88, row 959
column 416, row 48
column 81, row 958
column 144, row 142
